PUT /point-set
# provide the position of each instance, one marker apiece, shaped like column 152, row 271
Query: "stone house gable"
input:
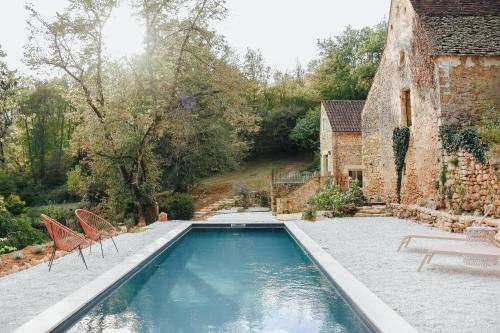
column 340, row 141
column 435, row 70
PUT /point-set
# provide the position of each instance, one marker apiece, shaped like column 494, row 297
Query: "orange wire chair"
column 96, row 228
column 64, row 238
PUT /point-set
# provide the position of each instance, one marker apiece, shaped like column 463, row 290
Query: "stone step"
column 372, row 215
column 371, row 211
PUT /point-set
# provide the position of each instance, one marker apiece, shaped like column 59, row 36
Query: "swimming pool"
column 223, row 280
column 224, row 277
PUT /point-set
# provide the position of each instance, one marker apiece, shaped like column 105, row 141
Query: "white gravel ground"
column 446, row 297
column 27, row 293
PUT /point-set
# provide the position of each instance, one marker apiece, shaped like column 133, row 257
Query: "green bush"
column 4, row 248
column 15, row 205
column 57, row 213
column 264, row 200
column 179, row 206
column 330, row 198
column 18, row 230
column 244, row 192
column 308, row 215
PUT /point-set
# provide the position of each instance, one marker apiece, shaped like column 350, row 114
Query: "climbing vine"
column 400, row 143
column 466, row 139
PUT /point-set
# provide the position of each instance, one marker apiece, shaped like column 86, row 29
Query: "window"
column 406, row 108
column 356, row 174
column 401, row 58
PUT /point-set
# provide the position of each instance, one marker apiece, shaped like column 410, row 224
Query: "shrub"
column 18, row 230
column 15, row 205
column 308, row 215
column 57, row 213
column 329, row 197
column 264, row 200
column 5, row 248
column 244, row 192
column 179, row 206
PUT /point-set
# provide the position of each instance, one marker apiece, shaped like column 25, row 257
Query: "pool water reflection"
column 225, row 281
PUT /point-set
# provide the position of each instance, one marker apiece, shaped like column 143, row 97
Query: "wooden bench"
column 462, row 251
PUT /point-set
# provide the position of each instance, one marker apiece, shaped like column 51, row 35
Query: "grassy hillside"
column 256, row 175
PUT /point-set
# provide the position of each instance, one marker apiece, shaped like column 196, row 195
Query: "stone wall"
column 347, row 156
column 466, row 83
column 325, row 145
column 295, row 200
column 439, row 219
column 469, row 185
column 281, row 190
column 405, row 65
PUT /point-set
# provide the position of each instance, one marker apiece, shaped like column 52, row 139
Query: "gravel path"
column 446, row 297
column 27, row 293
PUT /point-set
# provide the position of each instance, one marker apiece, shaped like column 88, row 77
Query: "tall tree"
column 8, row 106
column 134, row 105
column 348, row 62
column 46, row 123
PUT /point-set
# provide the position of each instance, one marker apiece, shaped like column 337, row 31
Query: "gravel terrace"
column 27, row 293
column 446, row 297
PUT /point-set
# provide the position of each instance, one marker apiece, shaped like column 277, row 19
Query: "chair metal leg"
column 114, row 244
column 91, row 246
column 51, row 260
column 102, row 252
column 81, row 255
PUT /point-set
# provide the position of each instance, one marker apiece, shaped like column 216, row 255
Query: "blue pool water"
column 214, row 281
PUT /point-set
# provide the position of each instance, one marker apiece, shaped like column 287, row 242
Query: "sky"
column 285, row 31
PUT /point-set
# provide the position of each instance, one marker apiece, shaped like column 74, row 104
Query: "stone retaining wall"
column 469, row 185
column 442, row 220
column 291, row 199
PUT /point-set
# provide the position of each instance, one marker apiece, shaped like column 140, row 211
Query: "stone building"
column 441, row 65
column 340, row 141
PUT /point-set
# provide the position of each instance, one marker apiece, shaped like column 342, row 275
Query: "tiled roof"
column 344, row 116
column 461, row 26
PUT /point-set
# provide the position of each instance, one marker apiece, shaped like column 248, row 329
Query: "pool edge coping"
column 371, row 308
column 55, row 315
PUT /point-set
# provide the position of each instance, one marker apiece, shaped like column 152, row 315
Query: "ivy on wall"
column 400, row 143
column 466, row 139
